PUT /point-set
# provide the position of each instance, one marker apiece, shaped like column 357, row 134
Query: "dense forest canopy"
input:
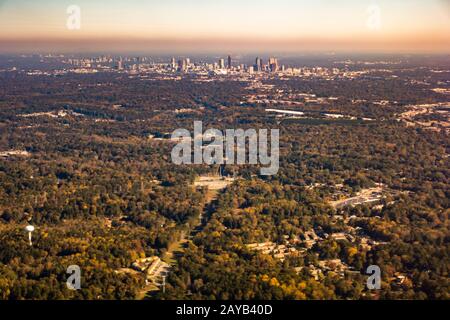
column 96, row 179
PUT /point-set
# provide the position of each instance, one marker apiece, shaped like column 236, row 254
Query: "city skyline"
column 202, row 26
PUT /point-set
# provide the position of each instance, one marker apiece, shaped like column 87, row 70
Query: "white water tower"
column 29, row 229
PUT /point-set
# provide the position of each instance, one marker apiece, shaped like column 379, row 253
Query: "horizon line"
column 420, row 44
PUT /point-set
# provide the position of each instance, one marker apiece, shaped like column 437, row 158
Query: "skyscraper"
column 222, row 63
column 173, row 63
column 182, row 65
column 229, row 62
column 273, row 64
column 120, row 64
column 258, row 64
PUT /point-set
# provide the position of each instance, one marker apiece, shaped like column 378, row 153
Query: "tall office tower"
column 229, row 62
column 182, row 65
column 120, row 64
column 173, row 63
column 273, row 64
column 222, row 63
column 188, row 61
column 259, row 64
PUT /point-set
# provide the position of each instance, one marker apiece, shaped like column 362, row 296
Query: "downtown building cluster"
column 225, row 67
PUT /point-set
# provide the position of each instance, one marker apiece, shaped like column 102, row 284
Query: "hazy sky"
column 187, row 25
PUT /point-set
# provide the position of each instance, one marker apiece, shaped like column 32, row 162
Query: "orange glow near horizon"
column 200, row 25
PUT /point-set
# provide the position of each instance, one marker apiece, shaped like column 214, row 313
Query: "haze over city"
column 199, row 25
